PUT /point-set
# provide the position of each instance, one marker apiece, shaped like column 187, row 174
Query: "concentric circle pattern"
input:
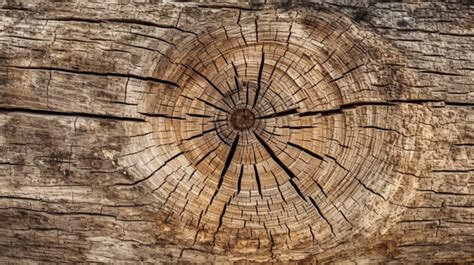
column 268, row 138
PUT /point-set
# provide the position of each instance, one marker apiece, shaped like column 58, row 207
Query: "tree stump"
column 234, row 131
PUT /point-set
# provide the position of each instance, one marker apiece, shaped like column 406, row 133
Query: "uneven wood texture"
column 196, row 132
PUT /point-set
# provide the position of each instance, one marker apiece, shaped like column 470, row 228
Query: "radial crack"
column 322, row 215
column 239, row 184
column 275, row 157
column 195, row 115
column 309, row 152
column 212, row 84
column 297, row 189
column 271, row 78
column 221, row 218
column 257, row 178
column 297, row 127
column 206, row 155
column 212, row 105
column 371, row 190
column 81, row 72
column 230, row 156
column 280, row 114
column 70, row 114
column 342, row 107
column 160, row 115
column 200, row 135
column 259, row 80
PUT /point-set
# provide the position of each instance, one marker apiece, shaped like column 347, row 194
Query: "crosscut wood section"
column 244, row 131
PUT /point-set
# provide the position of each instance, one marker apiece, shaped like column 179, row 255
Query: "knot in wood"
column 276, row 136
column 242, row 119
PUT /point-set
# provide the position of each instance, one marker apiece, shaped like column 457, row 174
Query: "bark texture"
column 261, row 131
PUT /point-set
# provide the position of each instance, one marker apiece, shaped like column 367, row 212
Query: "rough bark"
column 237, row 131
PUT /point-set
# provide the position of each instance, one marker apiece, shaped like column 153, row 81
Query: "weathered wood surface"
column 117, row 141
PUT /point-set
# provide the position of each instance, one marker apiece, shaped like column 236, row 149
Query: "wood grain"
column 261, row 131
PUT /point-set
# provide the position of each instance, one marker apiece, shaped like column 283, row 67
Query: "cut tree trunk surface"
column 320, row 132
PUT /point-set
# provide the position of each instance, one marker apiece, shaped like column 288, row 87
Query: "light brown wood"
column 236, row 132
